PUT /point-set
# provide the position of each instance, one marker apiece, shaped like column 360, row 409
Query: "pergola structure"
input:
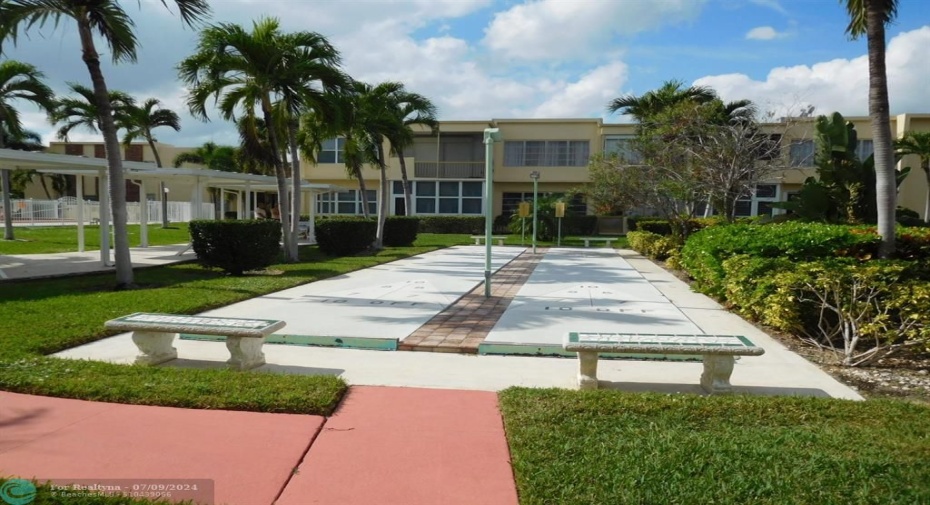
column 244, row 186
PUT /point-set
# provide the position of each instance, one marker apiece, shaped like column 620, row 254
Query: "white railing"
column 65, row 211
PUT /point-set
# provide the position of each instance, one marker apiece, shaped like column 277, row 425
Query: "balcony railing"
column 449, row 169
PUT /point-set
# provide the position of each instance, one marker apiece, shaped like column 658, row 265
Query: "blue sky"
column 482, row 59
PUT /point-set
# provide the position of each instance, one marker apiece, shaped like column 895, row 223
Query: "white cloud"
column 838, row 85
column 764, row 33
column 586, row 96
column 559, row 29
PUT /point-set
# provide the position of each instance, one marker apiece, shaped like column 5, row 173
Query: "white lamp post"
column 535, row 176
column 491, row 135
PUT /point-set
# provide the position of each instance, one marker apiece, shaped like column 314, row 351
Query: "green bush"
column 236, row 246
column 750, row 281
column 652, row 245
column 703, row 254
column 664, row 226
column 913, row 243
column 866, row 311
column 656, row 226
column 471, row 225
column 342, row 236
column 400, row 231
column 501, row 224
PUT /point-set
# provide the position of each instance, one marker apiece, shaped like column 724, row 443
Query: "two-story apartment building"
column 447, row 169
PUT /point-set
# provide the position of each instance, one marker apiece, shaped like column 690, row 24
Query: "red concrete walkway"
column 405, row 446
column 249, row 456
column 383, row 445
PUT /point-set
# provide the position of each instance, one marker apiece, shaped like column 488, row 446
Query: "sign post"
column 559, row 214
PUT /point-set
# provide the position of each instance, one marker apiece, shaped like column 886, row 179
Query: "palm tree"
column 18, row 81
column 212, row 156
column 918, row 143
column 107, row 19
column 81, row 111
column 869, row 17
column 409, row 109
column 652, row 102
column 273, row 71
column 27, row 140
column 139, row 121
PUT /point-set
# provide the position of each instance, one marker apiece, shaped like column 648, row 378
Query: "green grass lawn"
column 44, row 316
column 57, row 239
column 600, row 447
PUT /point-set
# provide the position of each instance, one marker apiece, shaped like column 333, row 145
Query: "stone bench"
column 153, row 334
column 717, row 352
column 480, row 238
column 588, row 240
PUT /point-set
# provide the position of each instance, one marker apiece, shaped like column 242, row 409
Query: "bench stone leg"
column 477, row 241
column 154, row 347
column 500, row 242
column 587, row 243
column 717, row 371
column 587, row 370
column 246, row 352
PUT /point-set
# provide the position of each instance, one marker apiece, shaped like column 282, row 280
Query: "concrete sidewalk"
column 33, row 266
column 389, row 446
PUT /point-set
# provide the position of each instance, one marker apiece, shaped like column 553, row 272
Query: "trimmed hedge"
column 471, row 225
column 664, row 227
column 653, row 245
column 342, row 236
column 400, row 231
column 579, row 225
column 704, row 253
column 236, row 246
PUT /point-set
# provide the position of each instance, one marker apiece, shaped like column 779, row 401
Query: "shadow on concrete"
column 268, row 367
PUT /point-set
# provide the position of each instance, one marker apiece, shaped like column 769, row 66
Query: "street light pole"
column 535, row 176
column 490, row 136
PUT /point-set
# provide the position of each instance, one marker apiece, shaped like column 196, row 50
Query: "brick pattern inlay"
column 462, row 326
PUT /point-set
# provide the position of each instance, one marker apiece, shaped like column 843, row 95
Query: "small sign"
column 524, row 209
column 559, row 209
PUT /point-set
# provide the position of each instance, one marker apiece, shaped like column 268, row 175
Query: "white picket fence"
column 65, row 211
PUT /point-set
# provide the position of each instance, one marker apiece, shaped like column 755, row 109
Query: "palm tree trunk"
column 382, row 199
column 926, row 166
column 161, row 187
column 408, row 201
column 48, row 196
column 363, row 191
column 885, row 187
column 7, row 200
column 124, row 276
column 295, row 176
column 283, row 199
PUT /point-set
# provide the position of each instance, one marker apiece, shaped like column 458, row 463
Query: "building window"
column 864, row 149
column 546, row 153
column 624, row 147
column 769, row 149
column 332, row 151
column 446, row 197
column 346, row 202
column 801, row 153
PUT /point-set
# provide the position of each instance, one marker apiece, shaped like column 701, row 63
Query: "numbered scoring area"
column 588, row 291
column 388, row 301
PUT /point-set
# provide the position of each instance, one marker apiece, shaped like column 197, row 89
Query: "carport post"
column 490, row 136
column 104, row 200
column 143, row 215
column 80, row 212
column 248, row 201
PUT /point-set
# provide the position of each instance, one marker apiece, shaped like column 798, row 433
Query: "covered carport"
column 243, row 186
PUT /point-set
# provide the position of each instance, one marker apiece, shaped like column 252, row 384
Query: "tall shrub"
column 236, row 246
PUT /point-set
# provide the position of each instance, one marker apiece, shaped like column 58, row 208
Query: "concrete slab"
column 30, row 266
column 400, row 446
column 585, row 290
column 488, row 373
column 388, row 301
column 248, row 456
